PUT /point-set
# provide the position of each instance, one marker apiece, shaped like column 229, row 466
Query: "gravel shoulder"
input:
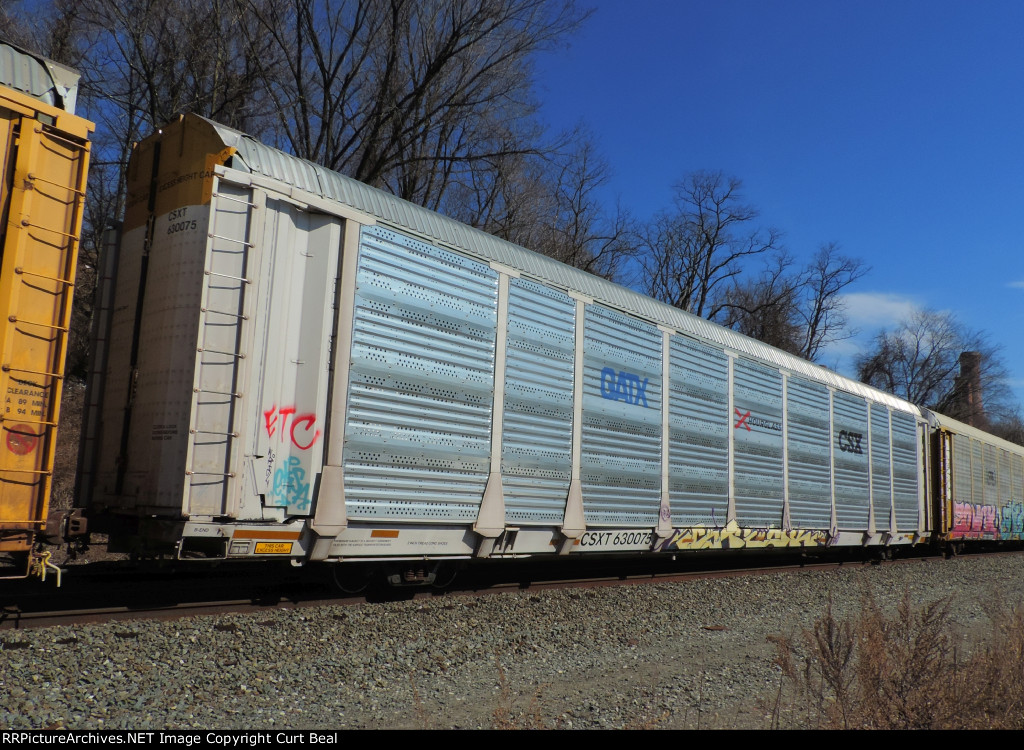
column 677, row 655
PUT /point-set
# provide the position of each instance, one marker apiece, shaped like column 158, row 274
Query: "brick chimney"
column 968, row 390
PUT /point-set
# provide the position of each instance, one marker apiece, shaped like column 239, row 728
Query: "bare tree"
column 690, row 255
column 919, row 360
column 410, row 95
column 549, row 203
column 767, row 307
column 800, row 311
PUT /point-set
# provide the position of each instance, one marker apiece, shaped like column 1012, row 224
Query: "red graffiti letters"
column 302, row 431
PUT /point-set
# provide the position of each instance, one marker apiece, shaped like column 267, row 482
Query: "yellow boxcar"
column 45, row 156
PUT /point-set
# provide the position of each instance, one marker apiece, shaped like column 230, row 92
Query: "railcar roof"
column 261, row 159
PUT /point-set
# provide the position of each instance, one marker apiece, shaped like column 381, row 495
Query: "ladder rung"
column 53, row 135
column 235, row 394
column 228, row 276
column 15, row 319
column 208, row 474
column 29, row 471
column 8, row 368
column 234, row 199
column 212, row 432
column 229, row 239
column 217, row 351
column 59, row 280
column 221, row 312
column 19, row 420
column 27, row 223
column 36, row 178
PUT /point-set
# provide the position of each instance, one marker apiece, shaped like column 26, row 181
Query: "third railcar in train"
column 307, row 368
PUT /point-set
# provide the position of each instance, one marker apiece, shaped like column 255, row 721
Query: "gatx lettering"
column 849, row 442
column 623, row 386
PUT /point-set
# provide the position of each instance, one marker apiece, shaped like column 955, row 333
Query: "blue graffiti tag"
column 289, row 485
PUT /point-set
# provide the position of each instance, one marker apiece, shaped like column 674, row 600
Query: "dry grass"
column 904, row 671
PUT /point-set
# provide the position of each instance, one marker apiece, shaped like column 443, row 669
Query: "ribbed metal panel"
column 417, row 439
column 537, row 435
column 810, row 466
column 881, row 451
column 260, row 159
column 1017, row 490
column 978, row 491
column 1005, row 478
column 42, row 79
column 905, row 489
column 991, row 477
column 757, row 445
column 621, row 451
column 850, row 458
column 698, row 434
column 963, row 486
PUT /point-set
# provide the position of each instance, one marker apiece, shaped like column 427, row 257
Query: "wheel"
column 351, row 579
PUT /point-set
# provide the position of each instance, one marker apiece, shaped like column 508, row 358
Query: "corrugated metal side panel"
column 49, row 82
column 757, row 445
column 978, row 491
column 1005, row 477
column 991, row 477
column 417, row 441
column 698, row 434
column 407, row 216
column 810, row 466
column 850, row 423
column 621, row 450
column 963, row 485
column 904, row 470
column 537, row 435
column 881, row 451
column 1012, row 521
column 1017, row 489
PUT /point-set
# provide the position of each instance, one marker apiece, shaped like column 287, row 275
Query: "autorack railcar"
column 308, row 368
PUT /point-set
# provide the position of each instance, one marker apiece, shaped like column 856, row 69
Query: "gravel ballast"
column 671, row 655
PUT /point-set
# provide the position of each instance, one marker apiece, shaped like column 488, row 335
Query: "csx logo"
column 623, row 386
column 849, row 442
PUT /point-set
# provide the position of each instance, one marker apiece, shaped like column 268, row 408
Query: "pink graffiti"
column 975, row 521
column 302, row 433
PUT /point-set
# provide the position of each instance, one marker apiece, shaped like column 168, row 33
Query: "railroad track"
column 114, row 593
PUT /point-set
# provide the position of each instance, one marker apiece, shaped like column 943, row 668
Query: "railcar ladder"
column 217, row 400
column 37, row 281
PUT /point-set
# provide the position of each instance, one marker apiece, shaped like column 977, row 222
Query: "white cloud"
column 1016, row 285
column 869, row 311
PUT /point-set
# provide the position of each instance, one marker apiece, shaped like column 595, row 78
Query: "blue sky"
column 895, row 129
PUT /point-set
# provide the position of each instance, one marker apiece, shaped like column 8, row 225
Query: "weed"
column 904, row 671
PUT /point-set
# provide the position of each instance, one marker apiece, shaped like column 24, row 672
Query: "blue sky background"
column 895, row 129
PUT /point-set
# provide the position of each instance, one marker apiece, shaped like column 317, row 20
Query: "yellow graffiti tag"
column 734, row 536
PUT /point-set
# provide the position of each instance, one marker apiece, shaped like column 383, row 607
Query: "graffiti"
column 289, row 485
column 734, row 536
column 975, row 521
column 1011, row 522
column 987, row 521
column 302, row 432
column 742, row 421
